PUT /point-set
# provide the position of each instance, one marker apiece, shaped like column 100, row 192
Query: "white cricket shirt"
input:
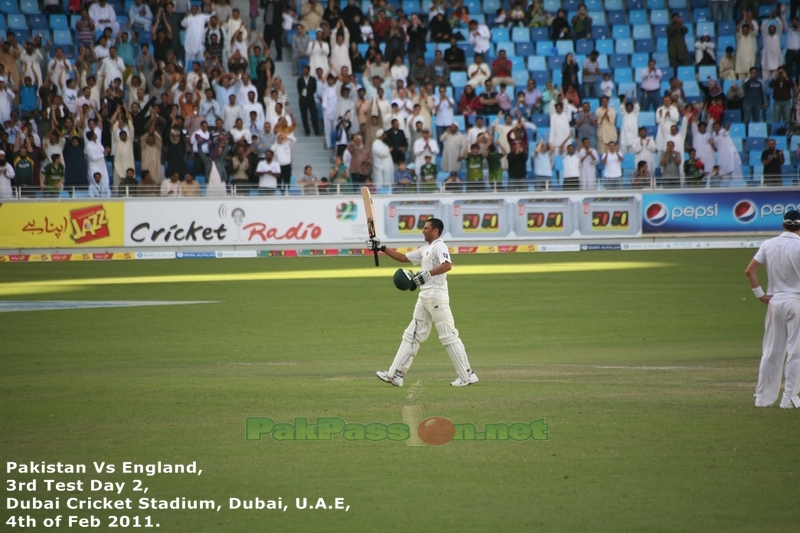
column 430, row 257
column 781, row 256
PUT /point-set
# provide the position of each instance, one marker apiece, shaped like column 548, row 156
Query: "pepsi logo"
column 656, row 214
column 745, row 211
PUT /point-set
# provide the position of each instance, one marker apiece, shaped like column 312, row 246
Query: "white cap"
column 379, row 134
column 2, row 152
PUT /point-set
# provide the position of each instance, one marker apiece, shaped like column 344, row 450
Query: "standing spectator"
column 630, row 124
column 651, row 86
column 96, row 156
column 426, row 146
column 307, row 88
column 793, row 44
column 582, row 24
column 745, row 50
column 75, row 163
column 339, row 176
column 474, row 160
column 428, row 175
column 771, row 54
column 308, row 182
column 589, row 161
column 781, row 87
column 479, row 37
column 670, row 167
column 719, row 10
column 571, row 164
column 728, row 156
column 273, row 29
column 454, row 147
column 283, row 155
column 268, row 172
column 517, row 169
column 606, row 125
column 542, row 165
column 300, row 44
column 360, row 161
column 7, row 175
column 569, row 74
column 612, row 167
column 586, row 124
column 676, row 44
column 694, row 170
column 194, row 44
column 772, row 160
column 140, row 16
column 560, row 119
column 382, row 165
column 666, row 117
column 591, row 70
column 755, row 98
column 397, row 142
column 701, row 142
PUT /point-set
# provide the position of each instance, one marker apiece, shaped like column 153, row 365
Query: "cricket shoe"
column 473, row 378
column 789, row 403
column 397, row 381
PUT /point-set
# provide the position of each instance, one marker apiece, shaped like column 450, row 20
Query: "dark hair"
column 437, row 224
column 641, row 164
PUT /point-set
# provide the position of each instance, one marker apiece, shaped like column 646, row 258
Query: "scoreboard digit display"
column 479, row 219
column 611, row 216
column 408, row 217
column 545, row 217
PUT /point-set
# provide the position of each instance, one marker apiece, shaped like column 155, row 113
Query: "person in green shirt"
column 495, row 159
column 23, row 167
column 428, row 174
column 53, row 176
column 340, row 175
column 475, row 169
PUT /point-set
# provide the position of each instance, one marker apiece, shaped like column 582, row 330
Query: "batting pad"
column 406, row 352
column 455, row 349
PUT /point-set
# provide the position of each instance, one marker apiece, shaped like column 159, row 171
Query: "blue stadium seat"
column 618, row 61
column 621, row 32
column 638, row 16
column 677, row 4
column 520, row 77
column 500, row 35
column 624, row 46
column 458, row 79
column 623, row 75
column 705, row 72
column 64, row 38
column 613, row 5
column 656, row 4
column 565, row 47
column 647, row 118
column 520, row 35
column 686, row 74
column 757, row 129
column 724, row 42
column 661, row 44
column 598, row 17
column 584, row 47
column 780, row 143
column 556, row 62
column 8, row 6
column 625, row 88
column 726, row 28
column 542, row 77
column 29, row 7
column 571, row 5
column 544, row 48
column 752, row 144
column 517, row 62
column 705, row 27
column 642, row 31
column 640, row 60
column 644, row 46
column 661, row 59
column 617, row 18
column 541, row 121
column 593, row 5
column 489, row 6
column 38, row 22
column 605, row 46
column 754, row 159
column 600, row 32
column 658, row 16
column 17, row 22
column 691, row 91
column 737, row 131
column 660, row 32
column 537, row 63
column 540, row 34
column 508, row 46
column 525, row 49
column 59, row 22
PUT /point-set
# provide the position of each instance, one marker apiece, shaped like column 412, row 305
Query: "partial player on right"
column 781, row 256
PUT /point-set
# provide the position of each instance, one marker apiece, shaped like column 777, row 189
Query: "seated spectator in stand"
column 582, row 24
column 478, row 72
column 727, row 65
column 488, row 100
column 128, row 184
column 172, row 186
column 455, row 57
column 440, row 29
column 694, row 170
column 308, row 182
column 428, row 174
column 452, row 183
column 479, row 37
column 438, row 70
column 190, row 187
column 99, row 188
column 704, row 51
column 560, row 29
column 404, row 179
column 470, row 103
column 642, row 178
column 501, row 69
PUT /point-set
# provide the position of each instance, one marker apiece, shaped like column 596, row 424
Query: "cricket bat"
column 369, row 210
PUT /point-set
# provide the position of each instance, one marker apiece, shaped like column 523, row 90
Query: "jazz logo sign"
column 89, row 224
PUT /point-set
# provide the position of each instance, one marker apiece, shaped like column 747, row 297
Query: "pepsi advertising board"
column 718, row 212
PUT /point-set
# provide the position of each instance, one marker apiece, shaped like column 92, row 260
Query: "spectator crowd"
column 182, row 99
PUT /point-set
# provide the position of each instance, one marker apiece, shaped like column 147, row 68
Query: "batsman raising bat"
column 433, row 306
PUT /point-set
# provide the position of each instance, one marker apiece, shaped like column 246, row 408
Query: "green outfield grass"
column 644, row 376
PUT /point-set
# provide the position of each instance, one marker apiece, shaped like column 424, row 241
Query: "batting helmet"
column 402, row 280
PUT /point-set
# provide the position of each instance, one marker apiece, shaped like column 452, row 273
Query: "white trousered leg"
column 431, row 308
column 781, row 342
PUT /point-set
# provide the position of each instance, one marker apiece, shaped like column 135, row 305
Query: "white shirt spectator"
column 99, row 12
column 651, row 79
column 170, row 189
column 140, row 16
column 480, row 39
column 444, row 113
column 572, row 165
column 229, row 115
column 268, row 181
column 613, row 165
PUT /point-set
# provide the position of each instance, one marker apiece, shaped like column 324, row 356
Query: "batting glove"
column 422, row 277
column 375, row 244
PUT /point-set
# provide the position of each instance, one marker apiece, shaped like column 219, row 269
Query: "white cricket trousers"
column 781, row 342
column 432, row 307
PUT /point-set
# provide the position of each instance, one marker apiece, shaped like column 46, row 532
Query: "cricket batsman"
column 433, row 307
column 781, row 256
